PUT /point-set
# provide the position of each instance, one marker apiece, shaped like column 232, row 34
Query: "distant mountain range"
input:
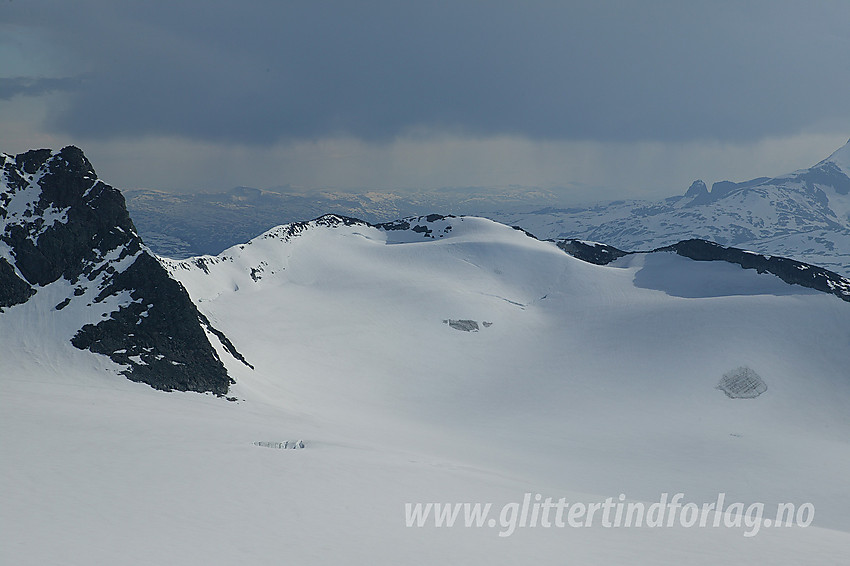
column 804, row 215
column 183, row 225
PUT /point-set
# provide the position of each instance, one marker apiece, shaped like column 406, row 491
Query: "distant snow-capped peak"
column 803, row 215
column 840, row 157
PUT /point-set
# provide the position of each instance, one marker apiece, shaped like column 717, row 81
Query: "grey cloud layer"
column 260, row 72
column 34, row 86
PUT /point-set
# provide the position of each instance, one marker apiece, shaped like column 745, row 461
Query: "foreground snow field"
column 590, row 382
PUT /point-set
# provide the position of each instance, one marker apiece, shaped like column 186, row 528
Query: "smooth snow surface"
column 591, row 381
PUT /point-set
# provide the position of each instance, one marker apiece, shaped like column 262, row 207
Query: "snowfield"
column 590, row 382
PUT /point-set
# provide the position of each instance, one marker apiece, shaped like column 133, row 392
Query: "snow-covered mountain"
column 180, row 225
column 431, row 359
column 73, row 272
column 804, row 215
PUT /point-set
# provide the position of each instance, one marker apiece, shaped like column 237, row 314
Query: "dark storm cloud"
column 34, row 86
column 259, row 72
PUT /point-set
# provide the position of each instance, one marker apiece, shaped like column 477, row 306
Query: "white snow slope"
column 590, row 382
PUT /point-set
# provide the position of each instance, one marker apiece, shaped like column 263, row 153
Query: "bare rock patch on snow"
column 462, row 324
column 465, row 324
column 742, row 383
column 285, row 445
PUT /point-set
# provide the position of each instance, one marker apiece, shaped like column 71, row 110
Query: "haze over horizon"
column 593, row 101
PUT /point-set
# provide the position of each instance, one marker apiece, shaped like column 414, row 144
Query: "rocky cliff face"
column 63, row 228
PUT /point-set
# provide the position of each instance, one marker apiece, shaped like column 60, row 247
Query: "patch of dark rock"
column 524, row 231
column 406, row 223
column 465, row 325
column 600, row 254
column 169, row 340
column 396, row 225
column 338, row 219
column 31, row 161
column 225, row 341
column 13, row 289
column 201, row 263
column 419, row 229
column 742, row 383
column 96, row 211
column 285, row 445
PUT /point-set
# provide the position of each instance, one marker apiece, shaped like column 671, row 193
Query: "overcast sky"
column 602, row 99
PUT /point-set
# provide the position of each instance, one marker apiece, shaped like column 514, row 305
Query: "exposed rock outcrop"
column 61, row 225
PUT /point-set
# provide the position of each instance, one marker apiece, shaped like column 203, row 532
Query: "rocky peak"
column 62, row 227
column 697, row 189
column 59, row 216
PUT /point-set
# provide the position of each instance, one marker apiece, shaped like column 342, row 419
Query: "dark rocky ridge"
column 59, row 221
column 591, row 252
column 791, row 271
